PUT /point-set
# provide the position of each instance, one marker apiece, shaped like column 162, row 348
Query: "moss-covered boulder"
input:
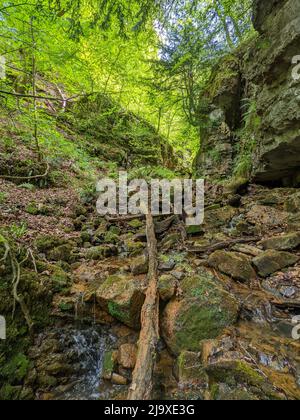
column 109, row 364
column 122, row 297
column 101, row 252
column 292, row 204
column 234, row 264
column 204, row 311
column 189, row 369
column 133, row 248
column 271, row 261
column 61, row 253
column 282, row 243
column 55, row 248
column 139, row 265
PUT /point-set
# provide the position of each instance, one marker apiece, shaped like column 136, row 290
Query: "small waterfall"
column 87, row 348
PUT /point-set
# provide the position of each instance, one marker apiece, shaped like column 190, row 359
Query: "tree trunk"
column 142, row 382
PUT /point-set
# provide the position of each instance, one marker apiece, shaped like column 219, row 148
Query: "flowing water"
column 87, row 348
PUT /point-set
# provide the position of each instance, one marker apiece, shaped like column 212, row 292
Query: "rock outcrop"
column 253, row 112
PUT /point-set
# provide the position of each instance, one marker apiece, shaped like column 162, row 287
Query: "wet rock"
column 122, row 297
column 166, row 287
column 118, row 379
column 203, row 312
column 139, row 265
column 194, row 230
column 271, row 261
column 233, row 264
column 127, row 356
column 136, row 224
column 282, row 243
column 61, row 253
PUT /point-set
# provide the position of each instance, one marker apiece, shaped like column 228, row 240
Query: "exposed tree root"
column 142, row 382
column 16, row 276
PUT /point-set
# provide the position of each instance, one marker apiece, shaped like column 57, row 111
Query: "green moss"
column 32, row 209
column 9, row 393
column 136, row 224
column 118, row 312
column 251, row 376
column 134, row 248
column 108, row 365
column 111, row 238
column 3, row 197
column 204, row 312
column 100, row 252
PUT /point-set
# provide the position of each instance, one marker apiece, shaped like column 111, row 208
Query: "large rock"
column 271, row 261
column 233, row 264
column 122, row 297
column 271, row 95
column 282, row 243
column 204, row 311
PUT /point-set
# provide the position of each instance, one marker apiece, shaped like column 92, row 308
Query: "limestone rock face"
column 271, row 94
column 204, row 311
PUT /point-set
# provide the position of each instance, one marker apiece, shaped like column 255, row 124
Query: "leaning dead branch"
column 142, row 382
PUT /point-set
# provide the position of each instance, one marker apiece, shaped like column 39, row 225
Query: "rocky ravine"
column 229, row 289
column 228, row 294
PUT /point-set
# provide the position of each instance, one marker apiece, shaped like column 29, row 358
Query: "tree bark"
column 142, row 382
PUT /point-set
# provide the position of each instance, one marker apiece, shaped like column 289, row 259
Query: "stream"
column 85, row 348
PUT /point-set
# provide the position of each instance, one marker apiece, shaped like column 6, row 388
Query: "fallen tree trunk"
column 142, row 382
